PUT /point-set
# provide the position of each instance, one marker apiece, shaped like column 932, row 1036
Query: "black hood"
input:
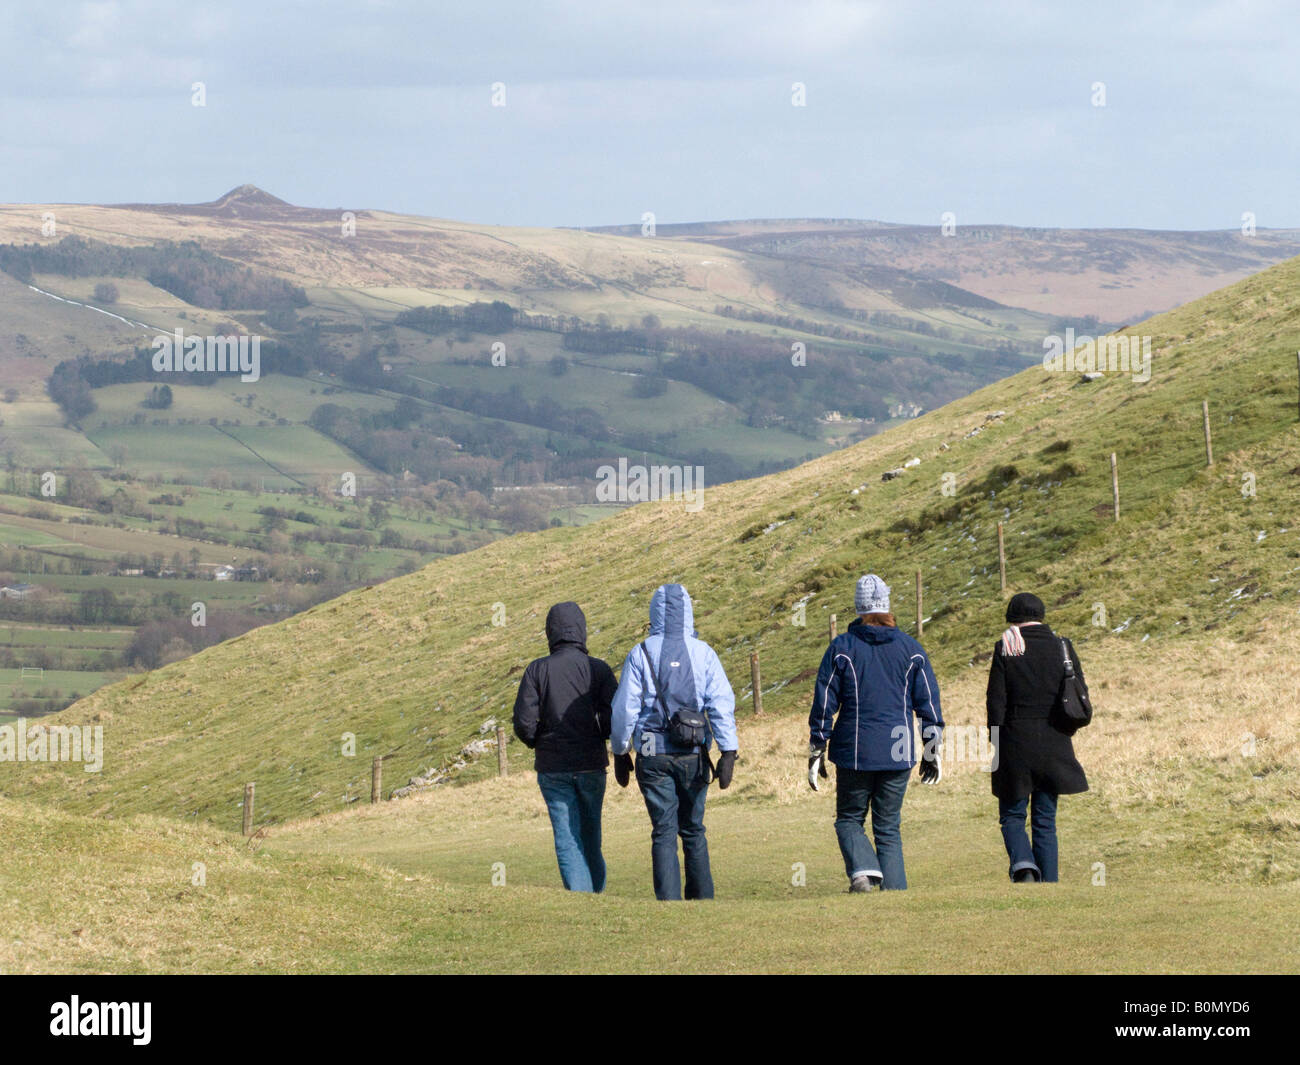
column 566, row 624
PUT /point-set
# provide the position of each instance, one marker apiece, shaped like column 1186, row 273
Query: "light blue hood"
column 671, row 612
column 681, row 666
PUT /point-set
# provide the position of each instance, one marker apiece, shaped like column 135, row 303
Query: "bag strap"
column 660, row 701
column 706, row 763
column 1065, row 653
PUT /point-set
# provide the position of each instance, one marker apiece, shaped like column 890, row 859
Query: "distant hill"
column 711, row 331
column 1116, row 275
column 246, row 202
column 892, row 318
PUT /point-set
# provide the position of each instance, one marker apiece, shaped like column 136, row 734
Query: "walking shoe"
column 862, row 883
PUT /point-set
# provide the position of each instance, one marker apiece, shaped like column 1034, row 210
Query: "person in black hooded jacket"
column 1035, row 762
column 562, row 713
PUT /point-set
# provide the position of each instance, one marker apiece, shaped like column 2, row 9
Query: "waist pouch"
column 689, row 728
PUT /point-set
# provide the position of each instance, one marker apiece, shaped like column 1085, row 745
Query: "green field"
column 274, row 396
column 23, row 537
column 273, row 457
column 14, row 686
column 16, row 635
column 35, row 435
column 69, row 552
column 693, row 420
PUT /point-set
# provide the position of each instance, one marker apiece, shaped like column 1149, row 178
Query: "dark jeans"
column 674, row 787
column 1041, row 857
column 574, row 800
column 881, row 792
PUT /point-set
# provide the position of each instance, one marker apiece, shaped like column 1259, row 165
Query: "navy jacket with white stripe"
column 873, row 682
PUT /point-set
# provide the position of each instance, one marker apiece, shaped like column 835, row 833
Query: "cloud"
column 912, row 108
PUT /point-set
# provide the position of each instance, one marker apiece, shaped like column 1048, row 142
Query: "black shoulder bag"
column 688, row 728
column 1072, row 709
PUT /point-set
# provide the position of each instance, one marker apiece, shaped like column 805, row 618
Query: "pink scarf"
column 1013, row 643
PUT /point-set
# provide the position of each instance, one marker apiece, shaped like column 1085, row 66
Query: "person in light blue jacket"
column 673, row 701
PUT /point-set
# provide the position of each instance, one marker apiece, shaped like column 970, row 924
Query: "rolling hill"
column 646, row 333
column 1114, row 275
column 1183, row 857
column 416, row 667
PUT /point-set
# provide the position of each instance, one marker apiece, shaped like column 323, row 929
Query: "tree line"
column 182, row 268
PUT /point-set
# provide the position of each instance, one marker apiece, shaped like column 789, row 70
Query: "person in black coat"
column 1034, row 761
column 562, row 712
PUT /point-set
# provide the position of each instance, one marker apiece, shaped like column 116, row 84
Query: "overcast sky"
column 680, row 107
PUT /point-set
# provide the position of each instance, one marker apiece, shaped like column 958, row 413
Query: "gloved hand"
column 816, row 765
column 726, row 767
column 623, row 769
column 931, row 767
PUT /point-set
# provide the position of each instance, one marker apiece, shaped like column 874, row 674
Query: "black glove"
column 931, row 767
column 726, row 767
column 816, row 765
column 623, row 769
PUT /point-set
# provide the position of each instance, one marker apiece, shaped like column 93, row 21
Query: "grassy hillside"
column 415, row 667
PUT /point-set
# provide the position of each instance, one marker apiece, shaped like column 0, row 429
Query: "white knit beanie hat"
column 871, row 595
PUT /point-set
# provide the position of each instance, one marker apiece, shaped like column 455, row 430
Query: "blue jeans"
column 674, row 787
column 881, row 792
column 574, row 800
column 1041, row 857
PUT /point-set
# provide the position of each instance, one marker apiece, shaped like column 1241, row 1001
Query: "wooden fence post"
column 1002, row 560
column 248, row 809
column 376, row 779
column 1209, row 448
column 757, row 682
column 833, row 628
column 920, row 612
column 1114, row 482
column 503, row 769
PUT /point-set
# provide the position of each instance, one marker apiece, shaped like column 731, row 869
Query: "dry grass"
column 1176, row 814
column 1196, row 742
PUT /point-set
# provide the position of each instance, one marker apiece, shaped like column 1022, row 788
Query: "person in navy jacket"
column 873, row 683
